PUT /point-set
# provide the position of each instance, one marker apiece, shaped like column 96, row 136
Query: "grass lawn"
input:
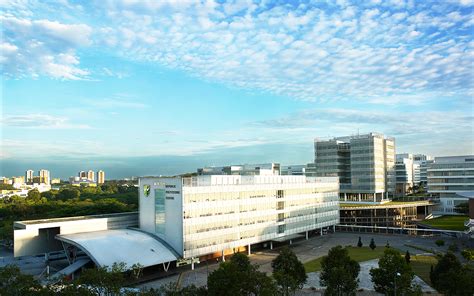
column 447, row 222
column 358, row 254
column 421, row 266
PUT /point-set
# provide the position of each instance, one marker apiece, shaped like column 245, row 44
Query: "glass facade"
column 160, row 211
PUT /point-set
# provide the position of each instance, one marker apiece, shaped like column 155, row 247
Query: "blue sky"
column 160, row 87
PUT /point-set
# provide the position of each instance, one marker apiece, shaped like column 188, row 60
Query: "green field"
column 447, row 222
column 421, row 266
column 358, row 254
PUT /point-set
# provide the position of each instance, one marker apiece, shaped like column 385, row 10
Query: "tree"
column 34, row 195
column 239, row 277
column 387, row 245
column 288, row 271
column 14, row 283
column 372, row 244
column 359, row 243
column 339, row 272
column 407, row 257
column 450, row 277
column 439, row 242
column 453, row 247
column 393, row 273
column 468, row 254
column 104, row 281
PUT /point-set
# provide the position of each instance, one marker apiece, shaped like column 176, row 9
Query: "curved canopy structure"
column 122, row 245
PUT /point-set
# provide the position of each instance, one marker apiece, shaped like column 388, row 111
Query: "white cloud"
column 42, row 47
column 40, row 121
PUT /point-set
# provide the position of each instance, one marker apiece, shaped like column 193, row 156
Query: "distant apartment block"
column 245, row 169
column 364, row 165
column 100, row 177
column 45, row 176
column 91, row 175
column 450, row 179
column 29, row 176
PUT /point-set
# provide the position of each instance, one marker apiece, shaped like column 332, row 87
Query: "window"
column 281, row 228
column 160, row 212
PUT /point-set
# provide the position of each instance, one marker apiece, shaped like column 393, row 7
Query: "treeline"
column 68, row 201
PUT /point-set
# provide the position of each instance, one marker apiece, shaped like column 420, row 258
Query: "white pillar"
column 334, row 228
column 271, row 245
column 321, row 233
column 345, row 196
column 249, row 251
column 192, row 264
column 291, row 241
column 359, row 197
column 306, row 235
column 375, row 198
column 223, row 257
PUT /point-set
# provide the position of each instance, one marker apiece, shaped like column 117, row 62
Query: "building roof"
column 121, row 245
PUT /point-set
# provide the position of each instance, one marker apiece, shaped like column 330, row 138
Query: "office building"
column 450, row 178
column 204, row 215
column 45, row 176
column 294, row 170
column 364, row 165
column 245, row 169
column 29, row 176
column 424, row 165
column 100, row 177
column 404, row 169
column 82, row 174
column 91, row 175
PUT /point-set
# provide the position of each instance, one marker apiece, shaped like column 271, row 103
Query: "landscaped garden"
column 453, row 222
column 358, row 254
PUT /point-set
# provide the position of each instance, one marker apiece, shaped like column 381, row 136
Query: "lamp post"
column 395, row 283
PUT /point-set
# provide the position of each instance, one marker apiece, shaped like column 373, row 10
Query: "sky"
column 163, row 87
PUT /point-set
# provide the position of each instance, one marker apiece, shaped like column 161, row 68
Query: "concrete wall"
column 37, row 237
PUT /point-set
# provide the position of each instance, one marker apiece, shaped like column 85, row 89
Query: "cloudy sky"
column 157, row 87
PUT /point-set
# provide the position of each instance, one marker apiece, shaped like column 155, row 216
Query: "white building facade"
column 450, row 179
column 203, row 215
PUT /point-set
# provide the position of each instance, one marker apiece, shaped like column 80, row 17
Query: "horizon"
column 140, row 88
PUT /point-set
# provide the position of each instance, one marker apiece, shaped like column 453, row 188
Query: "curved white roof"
column 121, row 245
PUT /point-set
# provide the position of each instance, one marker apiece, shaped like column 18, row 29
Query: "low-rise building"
column 449, row 179
column 404, row 168
column 294, row 170
column 244, row 169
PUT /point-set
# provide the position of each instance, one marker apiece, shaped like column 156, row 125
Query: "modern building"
column 81, row 181
column 424, row 165
column 82, row 174
column 56, row 181
column 294, row 170
column 245, row 169
column 449, row 179
column 100, row 177
column 404, row 169
column 91, row 175
column 208, row 215
column 45, row 176
column 391, row 214
column 29, row 176
column 364, row 165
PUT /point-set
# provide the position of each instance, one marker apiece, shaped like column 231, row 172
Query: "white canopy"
column 121, row 245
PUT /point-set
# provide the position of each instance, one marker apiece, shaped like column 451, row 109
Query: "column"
column 271, row 245
column 321, row 233
column 223, row 257
column 291, row 241
column 375, row 198
column 345, row 196
column 334, row 228
column 249, row 251
column 306, row 235
column 359, row 196
column 192, row 263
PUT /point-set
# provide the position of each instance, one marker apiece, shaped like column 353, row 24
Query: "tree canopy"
column 288, row 271
column 451, row 277
column 339, row 272
column 393, row 273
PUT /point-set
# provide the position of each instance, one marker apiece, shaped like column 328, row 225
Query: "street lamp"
column 395, row 283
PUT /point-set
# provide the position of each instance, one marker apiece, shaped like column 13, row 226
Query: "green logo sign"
column 146, row 190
